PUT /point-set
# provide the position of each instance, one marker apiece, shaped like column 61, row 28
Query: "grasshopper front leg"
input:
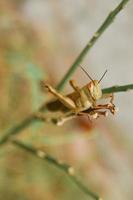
column 108, row 95
column 111, row 106
column 94, row 114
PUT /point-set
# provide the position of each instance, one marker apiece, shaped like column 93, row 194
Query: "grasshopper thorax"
column 95, row 90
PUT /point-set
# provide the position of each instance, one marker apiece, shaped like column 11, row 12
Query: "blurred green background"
column 39, row 40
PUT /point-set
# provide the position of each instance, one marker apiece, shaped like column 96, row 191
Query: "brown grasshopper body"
column 83, row 101
column 80, row 100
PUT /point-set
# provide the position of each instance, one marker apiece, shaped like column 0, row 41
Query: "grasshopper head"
column 95, row 89
column 94, row 86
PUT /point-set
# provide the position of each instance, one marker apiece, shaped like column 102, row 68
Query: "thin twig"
column 62, row 166
column 92, row 41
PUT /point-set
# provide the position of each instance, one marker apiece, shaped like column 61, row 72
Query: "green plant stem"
column 21, row 126
column 90, row 44
column 64, row 167
column 114, row 89
column 31, row 119
column 17, row 129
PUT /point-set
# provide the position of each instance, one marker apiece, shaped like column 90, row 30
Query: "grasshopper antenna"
column 102, row 76
column 87, row 74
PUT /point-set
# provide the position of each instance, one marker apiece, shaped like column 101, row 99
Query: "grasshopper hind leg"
column 69, row 103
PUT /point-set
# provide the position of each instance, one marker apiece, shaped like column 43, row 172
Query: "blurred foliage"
column 99, row 153
column 19, row 68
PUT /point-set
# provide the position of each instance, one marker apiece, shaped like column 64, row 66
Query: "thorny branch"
column 31, row 119
column 64, row 167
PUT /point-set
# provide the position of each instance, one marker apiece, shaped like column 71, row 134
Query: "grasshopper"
column 83, row 101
